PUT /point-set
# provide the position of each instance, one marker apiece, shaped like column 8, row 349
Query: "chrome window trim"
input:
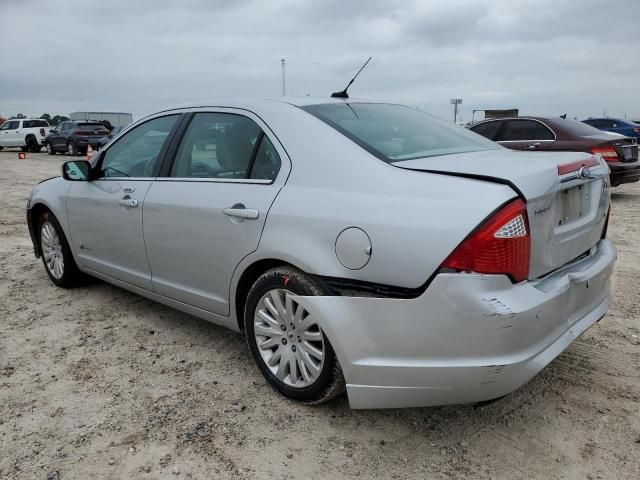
column 216, row 180
column 123, row 179
column 520, row 141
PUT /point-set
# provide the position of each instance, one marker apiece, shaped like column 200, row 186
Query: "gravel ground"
column 100, row 383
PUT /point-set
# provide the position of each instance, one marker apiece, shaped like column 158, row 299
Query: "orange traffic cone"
column 90, row 152
column 22, row 156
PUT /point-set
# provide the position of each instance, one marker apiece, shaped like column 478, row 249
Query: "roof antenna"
column 343, row 93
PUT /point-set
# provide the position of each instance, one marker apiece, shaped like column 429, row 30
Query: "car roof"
column 251, row 103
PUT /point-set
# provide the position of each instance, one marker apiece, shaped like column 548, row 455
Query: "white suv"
column 26, row 133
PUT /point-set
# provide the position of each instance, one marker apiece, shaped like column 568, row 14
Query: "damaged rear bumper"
column 467, row 338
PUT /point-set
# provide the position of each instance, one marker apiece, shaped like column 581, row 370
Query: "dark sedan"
column 75, row 137
column 559, row 134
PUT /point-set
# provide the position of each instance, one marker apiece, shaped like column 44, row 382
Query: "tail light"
column 637, row 130
column 500, row 245
column 42, row 132
column 609, row 154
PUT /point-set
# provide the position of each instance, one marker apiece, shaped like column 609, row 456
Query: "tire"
column 32, row 144
column 307, row 378
column 56, row 254
column 50, row 149
column 72, row 149
column 24, row 148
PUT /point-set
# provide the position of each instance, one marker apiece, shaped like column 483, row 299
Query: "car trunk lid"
column 567, row 196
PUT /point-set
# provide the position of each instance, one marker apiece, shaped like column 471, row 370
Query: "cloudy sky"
column 548, row 57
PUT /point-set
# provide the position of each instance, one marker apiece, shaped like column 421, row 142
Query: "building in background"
column 116, row 119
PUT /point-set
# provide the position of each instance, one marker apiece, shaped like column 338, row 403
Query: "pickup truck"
column 26, row 133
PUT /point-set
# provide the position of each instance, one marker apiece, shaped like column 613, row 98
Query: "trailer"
column 116, row 119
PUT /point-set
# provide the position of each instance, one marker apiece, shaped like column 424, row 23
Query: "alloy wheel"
column 289, row 339
column 52, row 250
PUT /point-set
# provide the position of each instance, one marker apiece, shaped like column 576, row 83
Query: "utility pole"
column 455, row 102
column 284, row 91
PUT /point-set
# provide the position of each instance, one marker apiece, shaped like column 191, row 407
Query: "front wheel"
column 285, row 340
column 72, row 149
column 50, row 149
column 56, row 254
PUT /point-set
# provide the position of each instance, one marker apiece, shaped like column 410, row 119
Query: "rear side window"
column 487, row 129
column 523, row 130
column 395, row 133
column 35, row 123
column 225, row 146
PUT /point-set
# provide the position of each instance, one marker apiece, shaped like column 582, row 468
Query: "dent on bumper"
column 468, row 338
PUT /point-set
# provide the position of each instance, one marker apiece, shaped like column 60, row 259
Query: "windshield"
column 396, row 133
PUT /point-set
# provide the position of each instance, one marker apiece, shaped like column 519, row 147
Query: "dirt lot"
column 100, row 383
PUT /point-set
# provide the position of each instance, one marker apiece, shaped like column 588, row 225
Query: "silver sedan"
column 358, row 245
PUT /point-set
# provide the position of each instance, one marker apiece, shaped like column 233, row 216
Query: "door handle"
column 533, row 145
column 128, row 202
column 241, row 212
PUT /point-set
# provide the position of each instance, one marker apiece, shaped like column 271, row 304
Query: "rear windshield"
column 577, row 128
column 34, row 123
column 396, row 133
column 90, row 126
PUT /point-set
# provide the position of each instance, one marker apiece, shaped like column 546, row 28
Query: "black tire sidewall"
column 71, row 273
column 74, row 149
column 298, row 283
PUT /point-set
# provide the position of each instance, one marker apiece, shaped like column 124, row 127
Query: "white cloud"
column 545, row 57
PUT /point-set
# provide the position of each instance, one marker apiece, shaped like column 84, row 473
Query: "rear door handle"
column 533, row 145
column 241, row 212
column 128, row 202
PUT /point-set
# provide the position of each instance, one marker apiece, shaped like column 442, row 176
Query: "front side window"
column 136, row 153
column 396, row 133
column 225, row 146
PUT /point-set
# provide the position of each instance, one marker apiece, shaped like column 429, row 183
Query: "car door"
column 10, row 134
column 4, row 133
column 203, row 218
column 105, row 214
column 525, row 134
column 54, row 137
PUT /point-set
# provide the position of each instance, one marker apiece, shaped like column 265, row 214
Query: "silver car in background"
column 359, row 245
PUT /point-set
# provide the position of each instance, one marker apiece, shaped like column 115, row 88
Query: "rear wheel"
column 32, row 144
column 72, row 149
column 56, row 254
column 285, row 340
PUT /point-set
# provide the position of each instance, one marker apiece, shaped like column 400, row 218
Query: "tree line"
column 53, row 121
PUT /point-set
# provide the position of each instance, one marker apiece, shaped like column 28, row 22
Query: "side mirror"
column 76, row 170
